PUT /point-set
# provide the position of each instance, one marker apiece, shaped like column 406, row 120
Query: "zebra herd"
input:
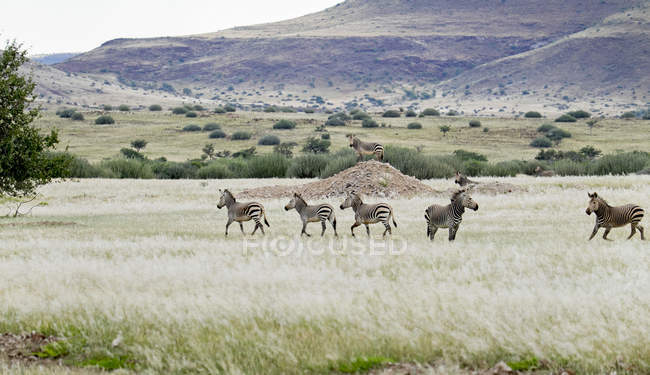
column 436, row 216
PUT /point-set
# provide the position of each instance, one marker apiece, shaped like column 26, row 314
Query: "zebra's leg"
column 387, row 226
column 593, row 233
column 322, row 224
column 452, row 233
column 258, row 224
column 640, row 228
column 633, row 231
column 368, row 230
column 356, row 224
column 304, row 229
column 333, row 222
column 432, row 232
column 228, row 224
column 241, row 226
column 606, row 233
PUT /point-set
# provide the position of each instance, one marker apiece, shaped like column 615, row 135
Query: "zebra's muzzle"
column 588, row 211
column 286, row 208
column 475, row 208
column 341, row 206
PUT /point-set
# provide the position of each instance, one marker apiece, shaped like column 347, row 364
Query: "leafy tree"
column 208, row 150
column 139, row 144
column 24, row 159
column 591, row 152
column 444, row 129
column 591, row 124
column 317, row 146
column 285, row 148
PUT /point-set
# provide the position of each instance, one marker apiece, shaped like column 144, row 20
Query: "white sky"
column 49, row 26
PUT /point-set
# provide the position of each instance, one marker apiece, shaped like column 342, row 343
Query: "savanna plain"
column 138, row 274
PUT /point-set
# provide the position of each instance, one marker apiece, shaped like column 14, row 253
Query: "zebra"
column 448, row 216
column 366, row 148
column 462, row 180
column 368, row 213
column 312, row 214
column 613, row 217
column 241, row 212
column 539, row 172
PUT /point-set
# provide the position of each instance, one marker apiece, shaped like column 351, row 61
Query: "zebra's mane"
column 298, row 196
column 455, row 195
column 229, row 194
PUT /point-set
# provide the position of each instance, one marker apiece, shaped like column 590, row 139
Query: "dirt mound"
column 370, row 178
column 23, row 347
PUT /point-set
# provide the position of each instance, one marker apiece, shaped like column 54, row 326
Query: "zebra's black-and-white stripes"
column 369, row 213
column 311, row 214
column 462, row 180
column 449, row 216
column 609, row 217
column 241, row 212
column 366, row 148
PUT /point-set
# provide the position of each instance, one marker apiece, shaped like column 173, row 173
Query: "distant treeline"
column 408, row 161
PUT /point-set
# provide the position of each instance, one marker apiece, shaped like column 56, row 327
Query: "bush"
column 191, row 128
column 414, row 125
column 335, row 122
column 411, row 113
column 219, row 110
column 391, row 113
column 179, row 110
column 214, row 170
column 268, row 166
column 269, row 140
column 124, row 108
column 452, row 112
column 369, row 123
column 128, row 168
column 545, row 128
column 325, row 136
column 285, row 149
column 175, row 171
column 155, row 108
column 317, row 146
column 541, row 142
column 558, row 134
column 217, row 134
column 628, row 115
column 229, row 108
column 199, row 107
column 108, row 107
column 77, row 116
column 468, row 155
column 211, row 126
column 413, row 163
column 342, row 160
column 309, row 110
column 131, row 154
column 191, row 114
column 308, row 166
column 532, row 114
column 566, row 118
column 430, row 112
column 338, row 119
column 474, row 124
column 104, row 120
column 65, row 112
column 81, row 168
column 624, row 163
column 360, row 116
column 139, row 144
column 284, row 124
column 485, row 130
column 240, row 135
column 579, row 114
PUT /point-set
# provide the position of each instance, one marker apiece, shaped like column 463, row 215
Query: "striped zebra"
column 312, row 214
column 448, row 216
column 462, row 180
column 366, row 148
column 613, row 217
column 368, row 213
column 241, row 212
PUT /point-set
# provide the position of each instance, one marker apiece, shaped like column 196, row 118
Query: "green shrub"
column 413, row 163
column 65, row 112
column 285, row 149
column 108, row 107
column 175, row 171
column 338, row 119
column 557, row 134
column 414, row 125
column 198, row 107
column 485, row 130
column 191, row 128
column 268, row 166
column 444, row 129
column 544, row 128
column 104, row 120
column 567, row 167
column 245, row 153
column 179, row 110
column 155, row 108
column 139, row 144
column 360, row 115
column 211, row 126
column 284, row 124
column 309, row 110
column 369, row 123
column 269, row 140
column 308, row 166
column 342, row 160
column 128, row 168
column 391, row 113
column 566, row 118
column 532, row 114
column 541, row 142
column 628, row 115
column 191, row 114
column 474, row 124
column 77, row 116
column 579, row 114
column 335, row 122
column 124, row 108
column 81, row 168
column 468, row 155
column 131, row 154
column 317, row 146
column 270, row 109
column 624, row 163
column 240, row 136
column 410, row 113
column 219, row 110
column 217, row 134
column 452, row 112
column 430, row 112
column 214, row 170
column 325, row 136
column 229, row 108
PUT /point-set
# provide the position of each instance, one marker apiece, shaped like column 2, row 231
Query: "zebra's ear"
column 457, row 173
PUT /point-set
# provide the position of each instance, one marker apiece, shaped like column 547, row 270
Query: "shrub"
column 65, row 112
column 485, row 130
column 214, row 170
column 124, row 108
column 108, row 107
column 391, row 113
column 414, row 125
column 155, row 108
column 240, row 135
column 338, row 119
column 284, row 124
column 179, row 110
column 139, row 144
column 430, row 112
column 191, row 128
column 474, row 124
column 360, row 116
column 219, row 110
column 285, row 149
column 623, row 163
column 545, row 128
column 175, row 171
column 81, row 168
column 191, row 114
column 369, row 123
column 309, row 110
column 217, row 134
column 541, row 142
column 308, row 166
column 468, row 155
column 413, row 163
column 444, row 129
column 77, row 116
column 104, row 120
column 335, row 122
column 131, row 154
column 245, row 153
column 128, row 168
column 557, row 134
column 566, row 118
column 199, row 107
column 325, row 136
column 532, row 114
column 342, row 160
column 579, row 114
column 268, row 166
column 211, row 126
column 229, row 108
column 628, row 115
column 270, row 109
column 269, row 140
column 410, row 113
column 316, row 146
column 452, row 112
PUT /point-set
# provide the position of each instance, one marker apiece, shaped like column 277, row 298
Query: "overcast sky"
column 49, row 26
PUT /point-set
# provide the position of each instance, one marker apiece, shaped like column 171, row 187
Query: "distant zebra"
column 613, row 217
column 312, row 214
column 539, row 172
column 366, row 148
column 462, row 180
column 368, row 213
column 241, row 212
column 448, row 216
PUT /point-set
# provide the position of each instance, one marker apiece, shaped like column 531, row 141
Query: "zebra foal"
column 241, row 212
column 366, row 148
column 312, row 214
column 613, row 217
column 369, row 213
column 448, row 216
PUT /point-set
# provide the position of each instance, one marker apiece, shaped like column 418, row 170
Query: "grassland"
column 148, row 261
column 507, row 138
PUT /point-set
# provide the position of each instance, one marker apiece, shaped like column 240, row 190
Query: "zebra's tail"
column 266, row 221
column 392, row 216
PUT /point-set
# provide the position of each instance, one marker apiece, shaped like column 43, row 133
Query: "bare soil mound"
column 369, row 178
column 22, row 347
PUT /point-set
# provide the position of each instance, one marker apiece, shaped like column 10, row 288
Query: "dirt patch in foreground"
column 23, row 347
